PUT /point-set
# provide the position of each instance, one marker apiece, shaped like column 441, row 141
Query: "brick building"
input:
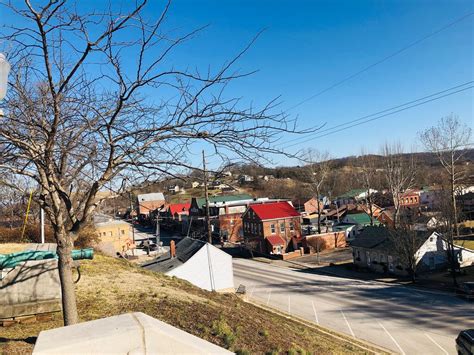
column 272, row 228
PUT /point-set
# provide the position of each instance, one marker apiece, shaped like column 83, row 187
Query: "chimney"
column 172, row 249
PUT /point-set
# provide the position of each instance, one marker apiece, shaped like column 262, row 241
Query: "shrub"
column 223, row 330
column 87, row 238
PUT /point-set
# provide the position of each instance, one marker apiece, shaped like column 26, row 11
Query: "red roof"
column 275, row 240
column 274, row 210
column 179, row 208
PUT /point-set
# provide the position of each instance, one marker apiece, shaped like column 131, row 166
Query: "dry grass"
column 469, row 244
column 111, row 286
column 7, row 248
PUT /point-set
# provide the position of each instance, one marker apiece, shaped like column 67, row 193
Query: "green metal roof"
column 362, row 219
column 352, row 193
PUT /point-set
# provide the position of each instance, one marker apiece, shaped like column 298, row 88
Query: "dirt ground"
column 110, row 286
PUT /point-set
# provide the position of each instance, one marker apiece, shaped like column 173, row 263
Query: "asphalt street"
column 402, row 319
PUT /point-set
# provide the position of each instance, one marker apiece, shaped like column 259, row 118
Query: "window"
column 122, row 231
column 232, row 222
column 259, row 228
column 272, row 228
column 292, row 226
column 282, row 227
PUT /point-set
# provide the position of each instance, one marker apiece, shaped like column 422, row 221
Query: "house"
column 386, row 217
column 114, row 235
column 129, row 333
column 375, row 248
column 430, row 196
column 198, row 262
column 244, row 179
column 176, row 211
column 228, row 223
column 194, row 184
column 466, row 202
column 272, row 228
column 149, row 202
column 350, row 230
column 410, row 198
column 311, row 206
column 354, row 196
column 360, row 219
column 198, row 203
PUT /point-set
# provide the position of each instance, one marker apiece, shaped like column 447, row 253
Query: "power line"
column 381, row 112
column 384, row 115
column 403, row 49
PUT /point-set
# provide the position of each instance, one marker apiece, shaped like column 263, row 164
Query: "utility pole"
column 157, row 232
column 131, row 218
column 206, row 193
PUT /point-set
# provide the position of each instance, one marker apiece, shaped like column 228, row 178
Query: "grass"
column 469, row 244
column 111, row 286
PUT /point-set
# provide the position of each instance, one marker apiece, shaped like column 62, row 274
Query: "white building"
column 198, row 262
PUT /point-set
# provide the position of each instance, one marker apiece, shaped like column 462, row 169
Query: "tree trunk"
column 65, row 246
column 453, row 201
column 319, row 214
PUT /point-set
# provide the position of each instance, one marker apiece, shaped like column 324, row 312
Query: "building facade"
column 272, row 228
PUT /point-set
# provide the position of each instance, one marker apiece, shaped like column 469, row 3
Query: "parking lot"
column 401, row 319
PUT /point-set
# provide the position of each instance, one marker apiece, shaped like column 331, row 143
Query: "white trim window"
column 272, row 228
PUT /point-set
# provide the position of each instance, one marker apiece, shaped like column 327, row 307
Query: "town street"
column 402, row 319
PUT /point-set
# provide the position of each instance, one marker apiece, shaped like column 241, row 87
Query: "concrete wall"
column 31, row 287
column 210, row 269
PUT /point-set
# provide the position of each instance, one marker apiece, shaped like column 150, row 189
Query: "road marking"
column 393, row 339
column 348, row 325
column 289, row 305
column 269, row 294
column 439, row 346
column 315, row 314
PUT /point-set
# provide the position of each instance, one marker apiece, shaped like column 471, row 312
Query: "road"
column 402, row 319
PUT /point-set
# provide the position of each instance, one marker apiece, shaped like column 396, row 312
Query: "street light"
column 4, row 71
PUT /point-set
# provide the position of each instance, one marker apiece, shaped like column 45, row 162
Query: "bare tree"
column 399, row 173
column 448, row 140
column 79, row 112
column 367, row 177
column 317, row 171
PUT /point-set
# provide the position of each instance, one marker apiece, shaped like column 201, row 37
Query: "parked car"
column 466, row 290
column 465, row 342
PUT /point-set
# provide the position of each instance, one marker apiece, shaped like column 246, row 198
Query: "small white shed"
column 198, row 262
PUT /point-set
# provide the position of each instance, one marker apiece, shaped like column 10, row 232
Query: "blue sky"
column 309, row 45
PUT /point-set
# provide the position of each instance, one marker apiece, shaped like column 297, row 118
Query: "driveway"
column 398, row 318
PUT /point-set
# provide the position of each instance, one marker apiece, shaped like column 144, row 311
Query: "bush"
column 223, row 330
column 32, row 234
column 87, row 238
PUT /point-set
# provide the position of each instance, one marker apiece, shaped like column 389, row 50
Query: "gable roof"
column 201, row 201
column 380, row 238
column 274, row 210
column 276, row 240
column 179, row 207
column 154, row 196
column 361, row 218
column 185, row 250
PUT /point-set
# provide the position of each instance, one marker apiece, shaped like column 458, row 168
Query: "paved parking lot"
column 404, row 320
